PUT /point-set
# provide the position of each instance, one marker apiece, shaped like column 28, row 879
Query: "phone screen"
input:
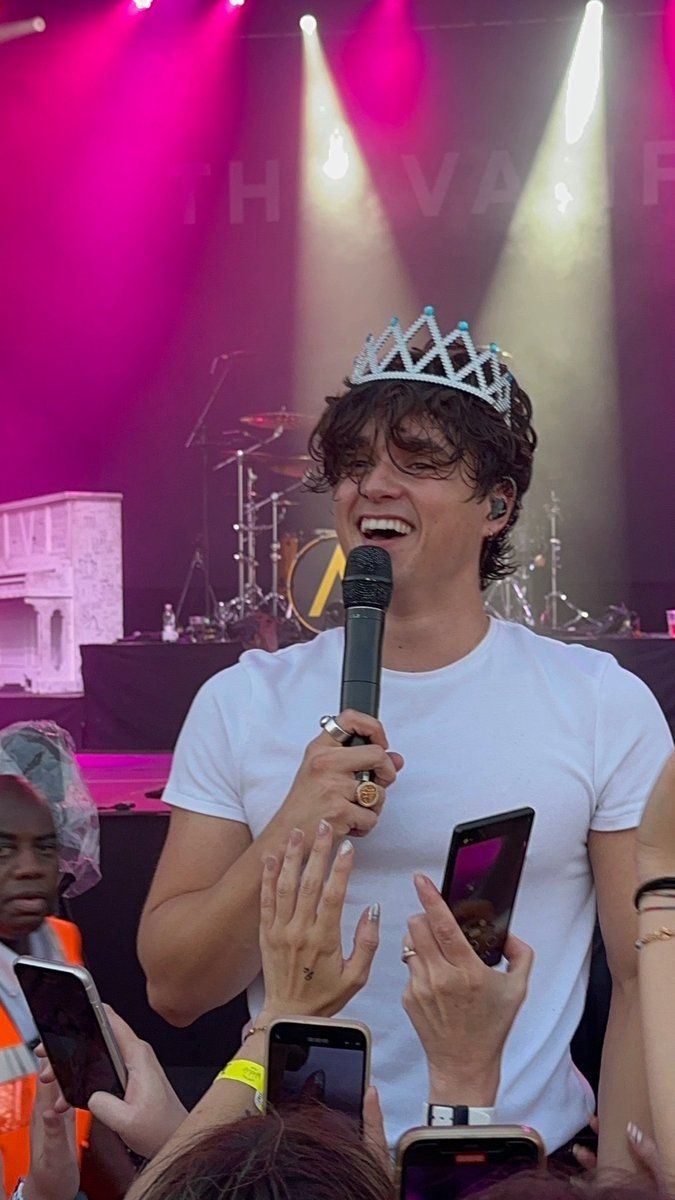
column 317, row 1063
column 432, row 1171
column 70, row 1033
column 481, row 880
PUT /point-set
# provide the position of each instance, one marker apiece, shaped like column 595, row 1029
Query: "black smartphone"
column 482, row 874
column 318, row 1060
column 449, row 1164
column 74, row 1028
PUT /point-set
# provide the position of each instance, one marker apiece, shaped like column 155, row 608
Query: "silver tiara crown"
column 482, row 375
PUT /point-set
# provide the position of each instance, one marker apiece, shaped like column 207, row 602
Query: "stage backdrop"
column 159, row 209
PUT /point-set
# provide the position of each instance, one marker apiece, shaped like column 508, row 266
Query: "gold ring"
column 408, row 952
column 367, row 794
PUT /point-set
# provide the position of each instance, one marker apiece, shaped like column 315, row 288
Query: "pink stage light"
column 384, row 61
column 236, row 3
column 140, row 5
column 669, row 38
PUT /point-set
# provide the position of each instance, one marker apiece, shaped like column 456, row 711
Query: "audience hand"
column 461, row 1009
column 656, row 835
column 150, row 1112
column 642, row 1147
column 54, row 1173
column 300, row 931
column 373, row 1130
column 324, row 786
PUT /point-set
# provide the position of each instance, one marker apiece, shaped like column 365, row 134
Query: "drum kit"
column 305, row 571
column 252, row 451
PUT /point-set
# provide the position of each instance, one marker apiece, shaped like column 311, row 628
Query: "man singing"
column 429, row 454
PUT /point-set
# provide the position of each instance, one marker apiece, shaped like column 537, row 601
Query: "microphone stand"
column 201, row 557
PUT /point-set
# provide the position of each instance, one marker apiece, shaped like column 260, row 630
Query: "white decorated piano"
column 60, row 586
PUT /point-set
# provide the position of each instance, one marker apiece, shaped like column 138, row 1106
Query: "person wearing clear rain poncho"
column 49, row 846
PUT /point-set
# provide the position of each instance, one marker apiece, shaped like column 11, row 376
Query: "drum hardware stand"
column 198, row 563
column 276, row 499
column 249, row 595
column 201, row 559
column 556, row 597
column 507, row 599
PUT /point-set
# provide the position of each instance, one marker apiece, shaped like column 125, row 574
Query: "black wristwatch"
column 457, row 1114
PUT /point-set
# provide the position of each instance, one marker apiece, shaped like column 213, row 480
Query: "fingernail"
column 296, row 837
column 323, row 828
column 421, row 881
column 270, row 862
column 374, row 912
column 634, row 1133
column 346, row 847
column 575, row 1148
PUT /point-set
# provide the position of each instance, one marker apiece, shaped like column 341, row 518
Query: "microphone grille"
column 368, row 578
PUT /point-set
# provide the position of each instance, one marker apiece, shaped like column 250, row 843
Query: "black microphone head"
column 368, row 579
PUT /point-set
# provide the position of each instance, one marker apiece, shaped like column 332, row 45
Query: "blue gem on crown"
column 481, row 376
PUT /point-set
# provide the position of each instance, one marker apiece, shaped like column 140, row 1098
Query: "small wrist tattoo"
column 308, row 973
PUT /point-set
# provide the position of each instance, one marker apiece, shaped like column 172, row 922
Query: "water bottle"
column 169, row 631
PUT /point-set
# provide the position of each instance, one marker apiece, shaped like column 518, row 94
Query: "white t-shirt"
column 522, row 720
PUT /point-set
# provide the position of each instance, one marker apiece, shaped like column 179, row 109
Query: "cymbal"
column 294, row 466
column 228, row 435
column 272, row 420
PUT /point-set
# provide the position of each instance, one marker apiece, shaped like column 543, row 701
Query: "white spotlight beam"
column 585, row 74
column 18, row 29
column 551, row 301
column 344, row 238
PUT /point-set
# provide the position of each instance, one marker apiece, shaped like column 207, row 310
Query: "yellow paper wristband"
column 251, row 1073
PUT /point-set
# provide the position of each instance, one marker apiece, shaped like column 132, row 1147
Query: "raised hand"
column 150, row 1112
column 300, row 930
column 461, row 1009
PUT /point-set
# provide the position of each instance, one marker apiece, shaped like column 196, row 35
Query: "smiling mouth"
column 384, row 528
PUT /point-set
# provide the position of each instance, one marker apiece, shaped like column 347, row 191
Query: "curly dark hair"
column 490, row 451
column 303, row 1153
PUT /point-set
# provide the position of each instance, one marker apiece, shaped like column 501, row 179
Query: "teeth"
column 385, row 524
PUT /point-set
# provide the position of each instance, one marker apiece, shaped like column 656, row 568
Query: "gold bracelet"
column 254, row 1029
column 662, row 934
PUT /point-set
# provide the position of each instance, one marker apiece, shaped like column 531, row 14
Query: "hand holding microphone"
column 325, row 785
column 366, row 590
column 350, row 760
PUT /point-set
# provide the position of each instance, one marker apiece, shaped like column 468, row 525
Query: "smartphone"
column 318, row 1060
column 74, row 1028
column 449, row 1164
column 482, row 874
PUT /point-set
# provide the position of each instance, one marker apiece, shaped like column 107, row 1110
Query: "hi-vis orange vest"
column 18, row 1077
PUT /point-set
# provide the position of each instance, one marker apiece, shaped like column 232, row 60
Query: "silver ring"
column 338, row 734
column 408, row 952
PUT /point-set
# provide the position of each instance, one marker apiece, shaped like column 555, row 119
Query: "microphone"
column 225, row 357
column 367, row 588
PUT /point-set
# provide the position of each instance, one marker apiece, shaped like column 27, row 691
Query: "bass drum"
column 315, row 583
